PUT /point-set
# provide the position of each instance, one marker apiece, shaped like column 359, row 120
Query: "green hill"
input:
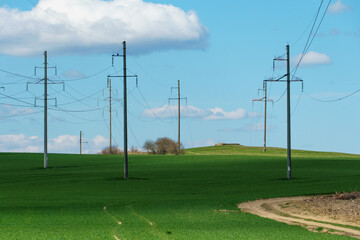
column 258, row 151
column 191, row 196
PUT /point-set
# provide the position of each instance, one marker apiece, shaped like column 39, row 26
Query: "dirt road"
column 335, row 214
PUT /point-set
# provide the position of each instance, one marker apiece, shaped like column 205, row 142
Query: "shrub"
column 150, row 146
column 113, row 150
column 166, row 145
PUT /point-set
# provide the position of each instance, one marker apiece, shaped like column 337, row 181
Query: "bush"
column 165, row 145
column 162, row 145
column 150, row 146
column 113, row 150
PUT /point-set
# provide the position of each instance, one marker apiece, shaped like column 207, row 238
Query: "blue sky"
column 221, row 53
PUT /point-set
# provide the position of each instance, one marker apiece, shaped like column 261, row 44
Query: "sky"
column 220, row 51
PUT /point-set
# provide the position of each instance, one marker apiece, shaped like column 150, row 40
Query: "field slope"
column 193, row 196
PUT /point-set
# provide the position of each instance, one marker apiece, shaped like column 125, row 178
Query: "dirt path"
column 335, row 214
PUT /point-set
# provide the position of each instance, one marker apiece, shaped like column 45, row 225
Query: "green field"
column 166, row 197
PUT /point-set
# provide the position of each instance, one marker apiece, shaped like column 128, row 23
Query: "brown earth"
column 336, row 214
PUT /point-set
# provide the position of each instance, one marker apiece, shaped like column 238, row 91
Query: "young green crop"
column 165, row 197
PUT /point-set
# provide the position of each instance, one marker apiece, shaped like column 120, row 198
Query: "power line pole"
column 288, row 113
column 81, row 141
column 265, row 100
column 288, row 81
column 110, row 144
column 110, row 99
column 45, row 81
column 45, row 113
column 179, row 99
column 125, row 76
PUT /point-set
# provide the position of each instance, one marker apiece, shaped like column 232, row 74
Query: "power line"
column 87, row 77
column 18, row 75
column 308, row 44
column 150, row 108
column 333, row 100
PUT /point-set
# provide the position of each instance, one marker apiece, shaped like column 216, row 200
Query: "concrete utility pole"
column 288, row 113
column 125, row 76
column 125, row 116
column 179, row 99
column 265, row 100
column 45, row 113
column 81, row 141
column 288, row 81
column 46, row 81
column 110, row 99
column 110, row 144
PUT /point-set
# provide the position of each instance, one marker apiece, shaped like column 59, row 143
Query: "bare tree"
column 150, row 146
column 112, row 150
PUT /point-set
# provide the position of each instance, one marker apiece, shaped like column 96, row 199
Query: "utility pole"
column 81, row 141
column 265, row 100
column 110, row 144
column 288, row 113
column 288, row 81
column 125, row 76
column 110, row 99
column 45, row 113
column 179, row 99
column 45, row 81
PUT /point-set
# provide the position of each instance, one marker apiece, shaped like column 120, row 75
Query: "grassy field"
column 166, row 197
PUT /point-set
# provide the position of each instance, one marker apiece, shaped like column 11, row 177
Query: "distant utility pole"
column 124, row 76
column 81, row 142
column 110, row 99
column 288, row 81
column 179, row 99
column 265, row 100
column 45, row 81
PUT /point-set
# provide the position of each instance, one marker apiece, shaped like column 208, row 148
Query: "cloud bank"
column 338, row 7
column 98, row 26
column 59, row 144
column 313, row 58
column 168, row 111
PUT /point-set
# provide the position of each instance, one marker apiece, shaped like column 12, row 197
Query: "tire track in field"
column 153, row 231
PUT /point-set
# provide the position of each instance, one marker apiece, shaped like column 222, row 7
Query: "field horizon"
column 166, row 196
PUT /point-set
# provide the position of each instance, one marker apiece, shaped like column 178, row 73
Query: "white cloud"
column 168, row 111
column 219, row 114
column 338, row 7
column 313, row 58
column 59, row 144
column 20, row 143
column 8, row 111
column 98, row 26
column 73, row 74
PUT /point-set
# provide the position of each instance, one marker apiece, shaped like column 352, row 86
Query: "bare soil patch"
column 336, row 214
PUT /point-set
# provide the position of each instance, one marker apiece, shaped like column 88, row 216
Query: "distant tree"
column 114, row 150
column 166, row 145
column 150, row 146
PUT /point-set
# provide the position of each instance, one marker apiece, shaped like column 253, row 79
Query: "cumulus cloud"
column 73, row 74
column 219, row 114
column 338, row 7
column 99, row 26
column 8, row 111
column 20, row 143
column 313, row 58
column 168, row 111
column 59, row 144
